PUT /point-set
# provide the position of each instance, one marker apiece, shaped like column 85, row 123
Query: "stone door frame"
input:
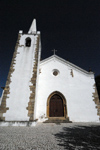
column 64, row 103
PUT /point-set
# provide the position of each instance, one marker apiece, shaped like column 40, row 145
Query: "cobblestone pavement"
column 71, row 136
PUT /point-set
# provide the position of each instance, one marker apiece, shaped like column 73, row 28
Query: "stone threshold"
column 57, row 120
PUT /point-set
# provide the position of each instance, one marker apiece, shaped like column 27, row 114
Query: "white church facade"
column 47, row 90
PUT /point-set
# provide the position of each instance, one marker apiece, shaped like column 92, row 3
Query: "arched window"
column 28, row 42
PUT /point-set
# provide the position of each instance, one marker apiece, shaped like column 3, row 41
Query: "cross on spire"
column 54, row 51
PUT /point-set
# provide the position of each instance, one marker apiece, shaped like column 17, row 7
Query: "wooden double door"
column 56, row 106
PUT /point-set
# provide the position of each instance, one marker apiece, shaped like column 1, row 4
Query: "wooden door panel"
column 56, row 108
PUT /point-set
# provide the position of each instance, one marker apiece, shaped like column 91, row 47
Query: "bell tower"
column 18, row 99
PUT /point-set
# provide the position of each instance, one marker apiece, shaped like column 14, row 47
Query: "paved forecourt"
column 51, row 136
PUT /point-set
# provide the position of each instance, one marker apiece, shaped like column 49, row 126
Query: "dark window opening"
column 28, row 42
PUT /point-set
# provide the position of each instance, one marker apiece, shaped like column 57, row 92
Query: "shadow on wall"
column 80, row 137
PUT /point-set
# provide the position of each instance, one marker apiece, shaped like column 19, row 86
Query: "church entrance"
column 56, row 107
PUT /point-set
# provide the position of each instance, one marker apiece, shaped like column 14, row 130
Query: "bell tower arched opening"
column 28, row 42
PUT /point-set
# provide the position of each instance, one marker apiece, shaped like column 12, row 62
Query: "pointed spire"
column 33, row 27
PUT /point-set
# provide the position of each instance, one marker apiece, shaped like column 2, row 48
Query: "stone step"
column 58, row 120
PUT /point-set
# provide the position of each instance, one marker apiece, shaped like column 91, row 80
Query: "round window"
column 55, row 72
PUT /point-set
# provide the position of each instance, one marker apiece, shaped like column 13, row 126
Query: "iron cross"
column 54, row 51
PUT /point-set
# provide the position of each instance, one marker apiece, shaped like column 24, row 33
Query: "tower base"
column 19, row 123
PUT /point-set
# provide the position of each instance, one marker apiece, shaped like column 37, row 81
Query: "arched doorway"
column 56, row 105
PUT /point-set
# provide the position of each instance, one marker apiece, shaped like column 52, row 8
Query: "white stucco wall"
column 20, row 81
column 77, row 91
